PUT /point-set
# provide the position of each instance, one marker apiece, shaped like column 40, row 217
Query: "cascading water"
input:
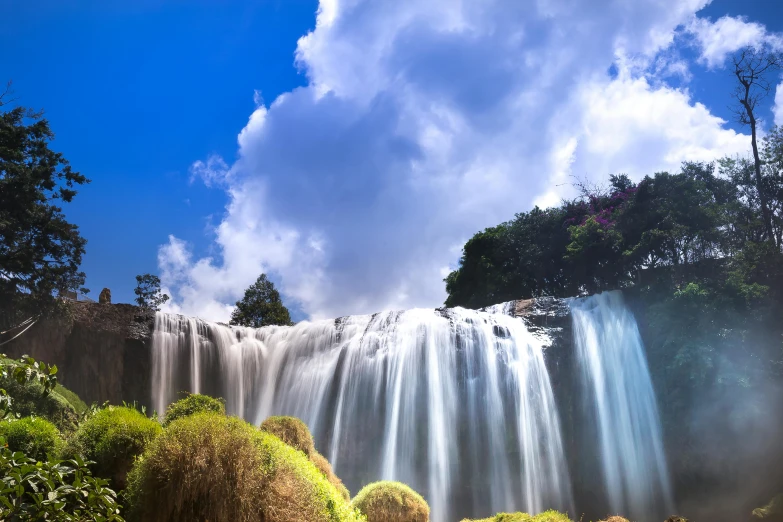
column 620, row 397
column 456, row 403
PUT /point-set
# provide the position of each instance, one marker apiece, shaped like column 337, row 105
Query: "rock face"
column 102, row 351
column 105, row 297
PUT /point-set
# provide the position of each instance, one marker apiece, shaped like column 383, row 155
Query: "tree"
column 752, row 68
column 260, row 306
column 148, row 293
column 40, row 251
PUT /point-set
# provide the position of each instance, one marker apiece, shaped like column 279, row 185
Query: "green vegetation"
column 29, row 388
column 326, row 470
column 113, row 438
column 40, row 251
column 193, row 403
column 292, row 431
column 37, row 438
column 546, row 516
column 388, row 501
column 211, row 467
column 148, row 293
column 53, row 490
column 261, row 306
column 74, row 400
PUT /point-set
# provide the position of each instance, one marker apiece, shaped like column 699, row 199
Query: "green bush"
column 28, row 399
column 326, row 470
column 37, row 438
column 52, row 490
column 211, row 467
column 193, row 403
column 388, row 501
column 546, row 516
column 292, row 431
column 113, row 438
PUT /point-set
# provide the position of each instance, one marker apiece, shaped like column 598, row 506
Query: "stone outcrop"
column 105, row 297
column 102, row 351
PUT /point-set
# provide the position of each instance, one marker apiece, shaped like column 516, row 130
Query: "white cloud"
column 777, row 109
column 424, row 122
column 726, row 35
column 214, row 171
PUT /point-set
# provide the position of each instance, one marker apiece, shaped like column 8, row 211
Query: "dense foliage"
column 59, row 491
column 40, row 251
column 261, row 306
column 292, row 431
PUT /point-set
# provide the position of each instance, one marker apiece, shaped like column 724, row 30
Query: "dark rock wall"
column 102, row 351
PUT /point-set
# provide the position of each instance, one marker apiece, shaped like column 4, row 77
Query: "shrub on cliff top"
column 193, row 403
column 547, row 516
column 113, row 438
column 292, row 431
column 208, row 466
column 388, row 501
column 37, row 438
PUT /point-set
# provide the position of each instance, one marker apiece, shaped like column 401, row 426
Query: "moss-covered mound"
column 326, row 469
column 37, row 438
column 211, row 467
column 113, row 438
column 292, row 431
column 391, row 502
column 193, row 403
column 676, row 518
column 616, row 518
column 29, row 400
column 74, row 400
column 546, row 516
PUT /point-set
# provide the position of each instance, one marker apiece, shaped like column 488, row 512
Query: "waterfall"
column 456, row 403
column 616, row 383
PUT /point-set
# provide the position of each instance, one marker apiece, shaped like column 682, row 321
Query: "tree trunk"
column 759, row 184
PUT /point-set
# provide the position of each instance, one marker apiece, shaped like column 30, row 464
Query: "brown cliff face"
column 102, row 350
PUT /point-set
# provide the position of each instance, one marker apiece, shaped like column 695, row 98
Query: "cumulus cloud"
column 726, row 35
column 422, row 123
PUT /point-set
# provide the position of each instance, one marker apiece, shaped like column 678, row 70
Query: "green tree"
column 148, row 292
column 40, row 251
column 260, row 306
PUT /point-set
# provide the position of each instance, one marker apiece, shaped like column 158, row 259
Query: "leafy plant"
column 60, row 491
column 24, row 371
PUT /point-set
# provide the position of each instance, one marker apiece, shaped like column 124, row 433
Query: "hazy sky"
column 349, row 148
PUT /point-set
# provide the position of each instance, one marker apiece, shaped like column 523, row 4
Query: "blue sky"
column 403, row 128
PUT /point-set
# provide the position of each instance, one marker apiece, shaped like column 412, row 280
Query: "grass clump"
column 547, row 516
column 388, row 501
column 292, row 431
column 37, row 438
column 615, row 518
column 193, row 403
column 113, row 438
column 208, row 466
column 326, row 470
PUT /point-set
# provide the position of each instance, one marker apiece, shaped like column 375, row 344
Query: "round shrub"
column 292, row 431
column 212, row 467
column 615, row 518
column 326, row 470
column 37, row 438
column 388, row 501
column 193, row 403
column 74, row 400
column 113, row 438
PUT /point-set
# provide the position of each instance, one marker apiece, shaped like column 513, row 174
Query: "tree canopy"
column 40, row 251
column 148, row 292
column 260, row 306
